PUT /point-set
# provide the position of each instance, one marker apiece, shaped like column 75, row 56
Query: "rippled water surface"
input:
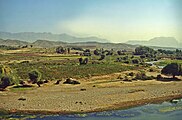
column 164, row 111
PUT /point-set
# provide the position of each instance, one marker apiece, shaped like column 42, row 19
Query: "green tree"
column 173, row 69
column 142, row 50
column 60, row 50
column 35, row 76
column 7, row 77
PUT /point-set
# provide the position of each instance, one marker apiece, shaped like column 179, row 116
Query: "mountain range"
column 159, row 42
column 48, row 40
column 32, row 37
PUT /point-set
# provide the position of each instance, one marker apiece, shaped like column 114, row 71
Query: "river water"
column 163, row 111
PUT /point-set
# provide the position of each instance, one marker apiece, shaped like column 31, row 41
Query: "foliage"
column 142, row 76
column 142, row 50
column 172, row 69
column 96, row 52
column 35, row 76
column 159, row 77
column 60, row 50
column 102, row 57
column 77, row 48
column 5, row 81
column 4, row 47
column 7, row 76
column 135, row 61
column 87, row 52
column 83, row 61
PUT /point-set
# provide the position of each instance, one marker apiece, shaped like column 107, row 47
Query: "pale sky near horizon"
column 115, row 20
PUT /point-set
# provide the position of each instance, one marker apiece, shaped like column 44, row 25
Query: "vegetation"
column 60, row 50
column 173, row 69
column 7, row 77
column 4, row 47
column 31, row 62
column 35, row 76
column 83, row 61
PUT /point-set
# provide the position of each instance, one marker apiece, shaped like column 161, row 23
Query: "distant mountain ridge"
column 158, row 41
column 32, row 37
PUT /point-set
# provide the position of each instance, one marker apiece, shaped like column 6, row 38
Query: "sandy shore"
column 96, row 95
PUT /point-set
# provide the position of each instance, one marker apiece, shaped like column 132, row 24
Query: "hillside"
column 158, row 41
column 90, row 45
column 9, row 42
column 32, row 37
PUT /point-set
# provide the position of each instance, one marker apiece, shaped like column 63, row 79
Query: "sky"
column 115, row 20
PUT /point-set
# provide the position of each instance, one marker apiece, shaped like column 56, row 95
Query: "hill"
column 158, row 41
column 32, row 37
column 9, row 42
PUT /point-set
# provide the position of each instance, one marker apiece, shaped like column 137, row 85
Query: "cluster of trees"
column 83, row 61
column 62, row 50
column 87, row 52
column 143, row 50
column 4, row 47
column 99, row 52
column 7, row 77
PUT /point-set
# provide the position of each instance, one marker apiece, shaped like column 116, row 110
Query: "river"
column 163, row 111
column 153, row 63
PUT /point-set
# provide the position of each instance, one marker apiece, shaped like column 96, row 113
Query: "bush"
column 159, row 77
column 83, row 61
column 60, row 50
column 151, row 70
column 143, row 76
column 131, row 74
column 6, row 81
column 34, row 76
column 135, row 61
column 102, row 57
column 71, row 81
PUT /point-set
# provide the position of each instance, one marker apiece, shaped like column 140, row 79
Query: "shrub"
column 151, row 70
column 60, row 50
column 131, row 74
column 83, row 61
column 34, row 76
column 135, row 61
column 71, row 81
column 159, row 77
column 96, row 52
column 143, row 76
column 7, row 77
column 5, row 81
column 102, row 57
column 127, row 62
column 119, row 77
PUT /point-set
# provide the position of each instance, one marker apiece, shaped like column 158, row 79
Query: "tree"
column 102, row 57
column 142, row 50
column 7, row 77
column 68, row 50
column 173, row 69
column 34, row 76
column 60, row 50
column 5, row 82
column 96, row 52
column 83, row 61
column 135, row 61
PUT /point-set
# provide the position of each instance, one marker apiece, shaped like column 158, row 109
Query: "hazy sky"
column 116, row 20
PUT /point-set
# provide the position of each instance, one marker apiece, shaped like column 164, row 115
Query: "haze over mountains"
column 32, row 37
column 52, row 40
column 158, row 41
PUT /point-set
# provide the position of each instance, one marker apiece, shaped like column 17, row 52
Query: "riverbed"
column 163, row 111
